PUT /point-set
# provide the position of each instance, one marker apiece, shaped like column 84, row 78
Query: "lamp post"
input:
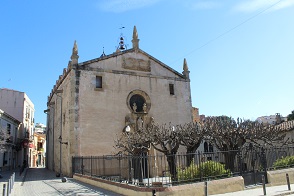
column 50, row 111
column 128, row 130
column 63, row 179
column 60, row 137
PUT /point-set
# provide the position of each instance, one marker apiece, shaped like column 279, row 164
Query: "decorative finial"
column 74, row 57
column 103, row 54
column 186, row 71
column 135, row 40
column 185, row 66
column 135, row 33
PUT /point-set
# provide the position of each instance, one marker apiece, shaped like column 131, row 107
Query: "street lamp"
column 131, row 170
column 51, row 112
column 128, row 129
column 61, row 142
column 63, row 179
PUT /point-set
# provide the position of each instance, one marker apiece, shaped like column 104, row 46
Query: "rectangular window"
column 8, row 128
column 98, row 81
column 171, row 89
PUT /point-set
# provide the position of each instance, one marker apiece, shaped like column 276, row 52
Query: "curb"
column 288, row 193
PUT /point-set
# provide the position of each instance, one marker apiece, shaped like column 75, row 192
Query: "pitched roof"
column 130, row 51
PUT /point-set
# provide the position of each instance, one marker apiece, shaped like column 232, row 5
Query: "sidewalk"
column 47, row 179
column 43, row 182
column 6, row 175
column 258, row 191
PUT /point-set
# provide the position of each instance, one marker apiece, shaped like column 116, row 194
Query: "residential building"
column 272, row 119
column 18, row 105
column 94, row 101
column 195, row 112
column 39, row 152
column 9, row 147
column 40, row 128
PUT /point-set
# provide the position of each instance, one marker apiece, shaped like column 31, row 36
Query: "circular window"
column 138, row 102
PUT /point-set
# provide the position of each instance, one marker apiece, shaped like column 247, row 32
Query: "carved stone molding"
column 136, row 64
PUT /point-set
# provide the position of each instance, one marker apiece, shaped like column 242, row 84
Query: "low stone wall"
column 278, row 177
column 214, row 187
column 226, row 185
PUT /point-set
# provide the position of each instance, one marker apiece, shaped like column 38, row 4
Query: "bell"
column 122, row 47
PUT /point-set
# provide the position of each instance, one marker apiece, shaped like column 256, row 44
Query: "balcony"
column 41, row 149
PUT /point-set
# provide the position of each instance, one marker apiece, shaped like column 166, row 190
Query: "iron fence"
column 173, row 169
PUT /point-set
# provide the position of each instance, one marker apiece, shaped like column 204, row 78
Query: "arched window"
column 205, row 147
column 210, row 148
column 139, row 101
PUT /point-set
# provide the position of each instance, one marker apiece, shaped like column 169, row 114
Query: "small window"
column 98, row 81
column 8, row 128
column 171, row 89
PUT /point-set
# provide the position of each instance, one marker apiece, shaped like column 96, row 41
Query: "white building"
column 19, row 106
column 40, row 128
column 272, row 119
column 9, row 147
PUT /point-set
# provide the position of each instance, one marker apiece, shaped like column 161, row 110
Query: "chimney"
column 278, row 118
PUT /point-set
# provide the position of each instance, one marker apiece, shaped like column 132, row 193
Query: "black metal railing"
column 162, row 170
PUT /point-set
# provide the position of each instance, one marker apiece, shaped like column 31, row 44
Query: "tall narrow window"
column 8, row 128
column 205, row 147
column 98, row 81
column 171, row 89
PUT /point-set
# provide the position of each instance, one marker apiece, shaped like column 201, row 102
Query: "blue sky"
column 240, row 53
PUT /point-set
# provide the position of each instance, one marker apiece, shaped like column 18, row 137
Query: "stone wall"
column 214, row 187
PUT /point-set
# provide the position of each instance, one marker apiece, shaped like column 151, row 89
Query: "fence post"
column 13, row 178
column 240, row 161
column 4, row 190
column 73, row 165
column 91, row 166
column 8, row 187
column 205, row 189
column 263, row 185
column 200, row 164
column 264, row 163
column 288, row 182
column 82, row 165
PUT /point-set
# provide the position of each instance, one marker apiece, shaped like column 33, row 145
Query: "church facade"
column 93, row 101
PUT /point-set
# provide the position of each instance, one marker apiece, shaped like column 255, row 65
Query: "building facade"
column 19, row 106
column 272, row 119
column 92, row 102
column 39, row 152
column 9, row 128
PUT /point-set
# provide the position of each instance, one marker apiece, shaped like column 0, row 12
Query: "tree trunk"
column 171, row 160
column 230, row 160
column 190, row 153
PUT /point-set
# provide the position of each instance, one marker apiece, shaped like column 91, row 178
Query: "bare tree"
column 229, row 135
column 4, row 139
column 163, row 138
column 132, row 143
column 166, row 139
column 191, row 135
